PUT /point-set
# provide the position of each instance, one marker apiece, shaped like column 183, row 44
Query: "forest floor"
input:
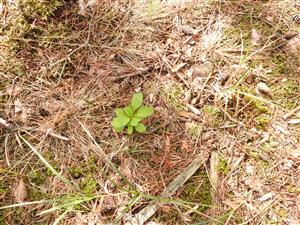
column 222, row 77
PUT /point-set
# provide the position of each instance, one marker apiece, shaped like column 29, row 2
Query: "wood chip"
column 266, row 197
column 294, row 121
column 193, row 109
column 177, row 67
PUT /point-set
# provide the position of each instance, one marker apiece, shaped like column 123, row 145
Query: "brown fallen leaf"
column 21, row 192
column 203, row 70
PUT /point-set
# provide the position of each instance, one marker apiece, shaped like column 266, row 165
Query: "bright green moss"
column 262, row 122
column 287, row 94
column 223, row 167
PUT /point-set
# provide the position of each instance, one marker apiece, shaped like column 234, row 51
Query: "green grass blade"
column 56, row 173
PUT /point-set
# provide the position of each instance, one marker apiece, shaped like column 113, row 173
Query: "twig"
column 261, row 211
column 147, row 212
column 214, row 176
column 292, row 112
column 232, row 213
column 6, row 151
column 50, row 132
column 140, row 71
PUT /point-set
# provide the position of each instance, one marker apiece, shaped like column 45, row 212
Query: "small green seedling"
column 132, row 115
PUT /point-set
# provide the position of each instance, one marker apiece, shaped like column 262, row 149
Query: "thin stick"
column 147, row 212
column 51, row 133
column 292, row 112
column 261, row 211
column 6, row 151
column 140, row 71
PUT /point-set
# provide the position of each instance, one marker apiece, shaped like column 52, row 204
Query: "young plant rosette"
column 132, row 115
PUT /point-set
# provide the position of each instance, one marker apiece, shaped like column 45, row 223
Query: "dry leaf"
column 13, row 90
column 255, row 37
column 263, row 89
column 204, row 69
column 21, row 192
column 231, row 203
column 20, row 111
column 178, row 67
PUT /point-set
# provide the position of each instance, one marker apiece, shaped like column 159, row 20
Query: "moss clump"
column 257, row 105
column 22, row 17
column 223, row 167
column 212, row 116
column 198, row 190
column 249, row 19
column 194, row 130
column 76, row 172
column 287, row 94
column 293, row 189
column 195, row 190
column 36, row 177
column 89, row 185
column 262, row 122
column 279, row 65
column 35, row 195
column 87, row 167
column 173, row 94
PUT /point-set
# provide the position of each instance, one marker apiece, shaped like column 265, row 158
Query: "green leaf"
column 130, row 129
column 144, row 111
column 137, row 101
column 119, row 112
column 118, row 129
column 140, row 128
column 129, row 111
column 135, row 120
column 120, row 121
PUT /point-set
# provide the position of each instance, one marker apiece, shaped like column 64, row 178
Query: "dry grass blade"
column 107, row 160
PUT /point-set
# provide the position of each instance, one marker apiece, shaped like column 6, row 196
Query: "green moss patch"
column 286, row 94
